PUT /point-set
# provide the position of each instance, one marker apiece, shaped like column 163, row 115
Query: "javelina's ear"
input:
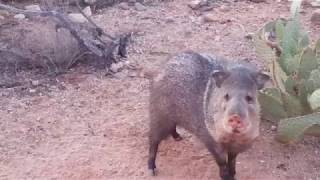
column 261, row 79
column 219, row 76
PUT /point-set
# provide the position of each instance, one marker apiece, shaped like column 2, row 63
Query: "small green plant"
column 294, row 102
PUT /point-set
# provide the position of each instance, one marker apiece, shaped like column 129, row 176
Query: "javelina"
column 196, row 90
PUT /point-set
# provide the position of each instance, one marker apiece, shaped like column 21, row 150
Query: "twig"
column 98, row 29
column 10, row 84
column 75, row 59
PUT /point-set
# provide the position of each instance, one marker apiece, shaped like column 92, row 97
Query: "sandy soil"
column 84, row 125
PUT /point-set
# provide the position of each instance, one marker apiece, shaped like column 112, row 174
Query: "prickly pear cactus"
column 294, row 102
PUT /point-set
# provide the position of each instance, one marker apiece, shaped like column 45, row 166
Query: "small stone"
column 35, row 83
column 139, row 7
column 206, row 8
column 204, row 3
column 262, row 161
column 124, row 6
column 127, row 63
column 4, row 94
column 249, row 36
column 224, row 8
column 209, row 18
column 116, row 67
column 90, row 2
column 77, row 17
column 1, row 17
column 196, row 4
column 131, row 2
column 4, row 13
column 257, row 1
column 19, row 16
column 87, row 11
column 169, row 20
column 315, row 18
column 32, row 90
column 133, row 74
column 217, row 38
column 33, row 7
column 273, row 128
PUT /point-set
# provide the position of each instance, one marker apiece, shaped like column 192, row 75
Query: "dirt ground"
column 84, row 125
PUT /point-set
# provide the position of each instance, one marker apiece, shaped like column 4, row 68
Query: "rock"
column 124, row 6
column 1, row 17
column 77, row 17
column 19, row 16
column 196, row 4
column 133, row 74
column 131, row 2
column 249, row 36
column 4, row 13
column 170, row 20
column 273, row 128
column 209, row 18
column 35, row 83
column 251, row 6
column 32, row 90
column 87, row 11
column 224, row 8
column 90, row 2
column 258, row 1
column 116, row 67
column 122, row 74
column 33, row 7
column 217, row 38
column 139, row 7
column 206, row 8
column 315, row 18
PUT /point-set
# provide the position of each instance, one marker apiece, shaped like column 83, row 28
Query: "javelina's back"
column 178, row 91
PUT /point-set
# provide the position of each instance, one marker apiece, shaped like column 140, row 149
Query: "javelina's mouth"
column 236, row 131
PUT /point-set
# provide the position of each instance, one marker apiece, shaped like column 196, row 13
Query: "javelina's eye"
column 249, row 99
column 226, row 97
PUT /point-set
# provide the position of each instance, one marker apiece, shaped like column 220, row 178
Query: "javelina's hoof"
column 178, row 138
column 229, row 178
column 153, row 172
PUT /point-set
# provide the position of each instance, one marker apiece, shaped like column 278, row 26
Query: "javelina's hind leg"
column 157, row 134
column 153, row 150
column 176, row 136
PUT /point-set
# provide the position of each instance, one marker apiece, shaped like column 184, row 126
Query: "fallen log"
column 91, row 39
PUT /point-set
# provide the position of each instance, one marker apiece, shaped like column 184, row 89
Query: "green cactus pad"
column 271, row 105
column 292, row 129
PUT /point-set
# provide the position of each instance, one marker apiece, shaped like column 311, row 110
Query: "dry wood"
column 91, row 39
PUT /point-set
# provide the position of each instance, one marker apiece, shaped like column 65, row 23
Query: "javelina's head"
column 238, row 110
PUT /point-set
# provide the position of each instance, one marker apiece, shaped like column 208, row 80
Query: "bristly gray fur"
column 189, row 88
column 183, row 92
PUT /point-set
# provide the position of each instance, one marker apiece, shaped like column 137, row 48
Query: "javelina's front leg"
column 218, row 153
column 232, row 163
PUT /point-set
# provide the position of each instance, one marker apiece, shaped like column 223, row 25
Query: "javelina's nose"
column 235, row 122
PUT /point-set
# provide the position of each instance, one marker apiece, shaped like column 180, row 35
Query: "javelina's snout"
column 236, row 117
column 236, row 123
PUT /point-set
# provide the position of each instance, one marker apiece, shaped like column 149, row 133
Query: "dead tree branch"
column 90, row 39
